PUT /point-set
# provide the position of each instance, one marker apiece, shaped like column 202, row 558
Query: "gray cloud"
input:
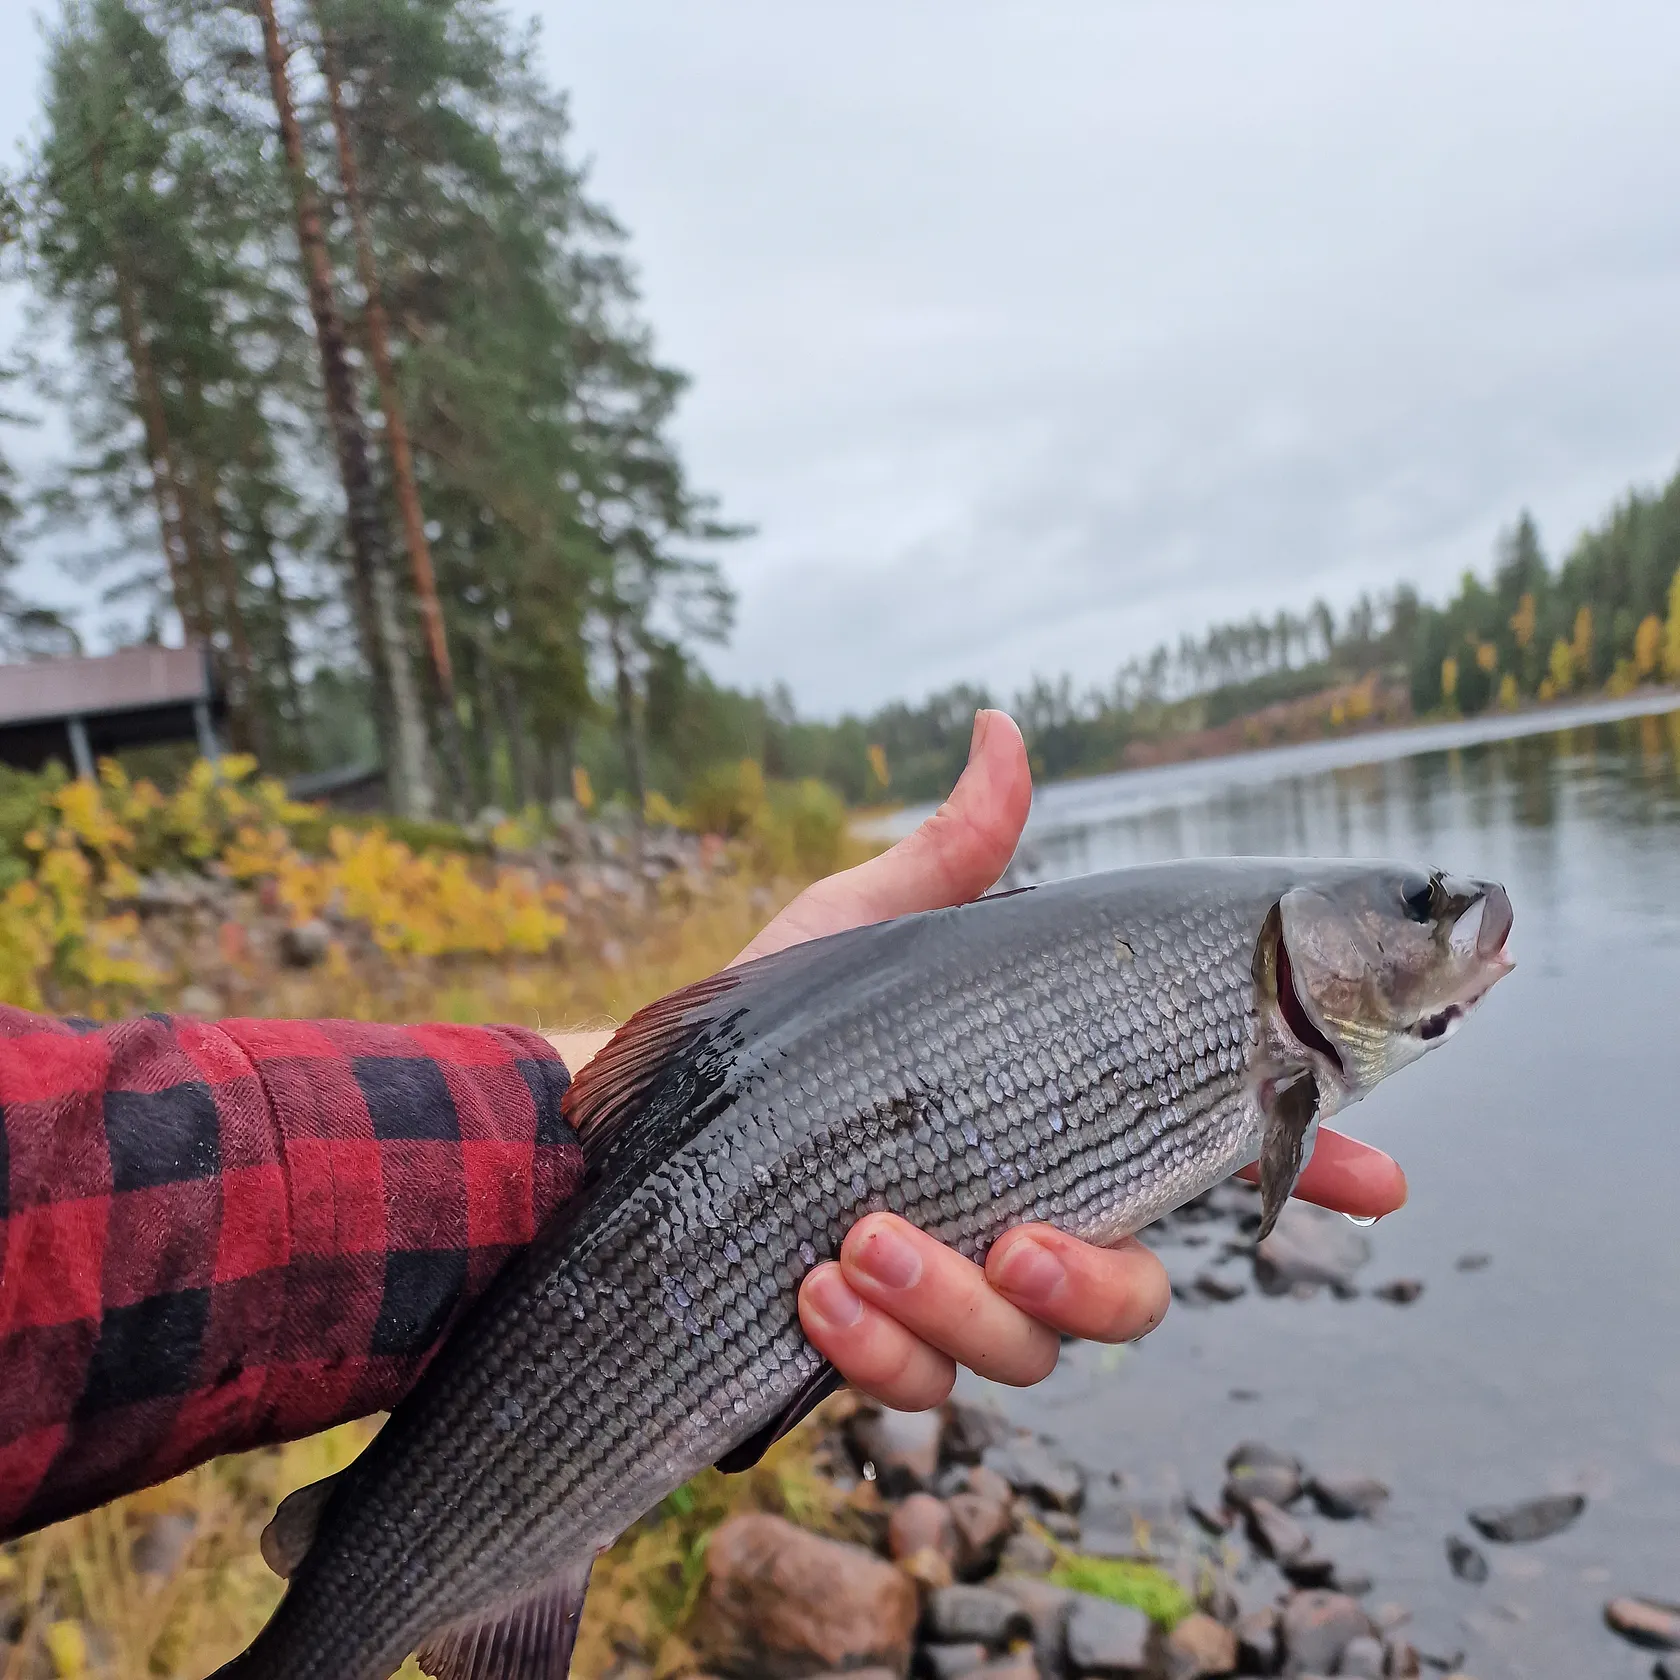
column 1028, row 334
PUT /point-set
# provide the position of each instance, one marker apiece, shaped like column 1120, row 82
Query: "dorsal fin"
column 616, row 1080
column 291, row 1530
column 529, row 1639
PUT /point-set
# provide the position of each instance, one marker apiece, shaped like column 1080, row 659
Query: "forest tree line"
column 362, row 397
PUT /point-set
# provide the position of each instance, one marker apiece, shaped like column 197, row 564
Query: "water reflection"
column 1548, row 1134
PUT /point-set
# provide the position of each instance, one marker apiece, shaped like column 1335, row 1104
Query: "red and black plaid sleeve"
column 218, row 1236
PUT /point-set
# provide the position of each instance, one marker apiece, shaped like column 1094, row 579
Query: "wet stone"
column 1646, row 1622
column 1278, row 1484
column 971, row 1428
column 1026, row 1554
column 1345, row 1497
column 962, row 1615
column 1308, row 1569
column 920, row 1523
column 1465, row 1561
column 1259, row 1641
column 1032, row 1468
column 1310, row 1248
column 1015, row 1665
column 1474, row 1262
column 1046, row 1607
column 949, row 1662
column 1532, row 1519
column 1198, row 1646
column 1362, row 1658
column 1275, row 1532
column 1667, row 1668
column 1316, row 1628
column 1107, row 1639
column 1210, row 1286
column 903, row 1447
column 981, row 1526
column 1399, row 1292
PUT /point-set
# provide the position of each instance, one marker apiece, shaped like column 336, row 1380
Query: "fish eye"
column 1417, row 897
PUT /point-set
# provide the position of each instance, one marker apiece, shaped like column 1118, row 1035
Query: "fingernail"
column 982, row 722
column 890, row 1259
column 832, row 1298
column 1030, row 1273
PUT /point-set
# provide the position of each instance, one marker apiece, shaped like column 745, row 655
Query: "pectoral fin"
column 291, row 1530
column 1290, row 1116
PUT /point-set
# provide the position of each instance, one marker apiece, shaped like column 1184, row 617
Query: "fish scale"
column 1079, row 1053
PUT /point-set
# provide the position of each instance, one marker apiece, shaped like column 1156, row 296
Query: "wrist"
column 577, row 1048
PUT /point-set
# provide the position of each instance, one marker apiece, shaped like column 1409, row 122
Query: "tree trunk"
column 519, row 757
column 396, row 430
column 398, row 715
column 483, row 716
column 628, row 739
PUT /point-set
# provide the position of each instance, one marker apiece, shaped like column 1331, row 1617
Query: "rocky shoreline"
column 982, row 1551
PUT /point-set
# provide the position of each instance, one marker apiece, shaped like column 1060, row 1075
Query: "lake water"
column 1546, row 1135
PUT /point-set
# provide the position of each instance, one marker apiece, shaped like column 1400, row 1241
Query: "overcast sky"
column 1030, row 334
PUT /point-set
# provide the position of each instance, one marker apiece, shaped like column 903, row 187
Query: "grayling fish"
column 1091, row 1053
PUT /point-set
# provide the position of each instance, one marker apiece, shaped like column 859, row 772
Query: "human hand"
column 898, row 1311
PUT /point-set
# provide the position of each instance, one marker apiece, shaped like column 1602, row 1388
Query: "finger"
column 868, row 1347
column 954, row 856
column 1098, row 1294
column 944, row 1299
column 1349, row 1176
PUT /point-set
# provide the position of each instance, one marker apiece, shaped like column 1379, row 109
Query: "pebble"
column 1026, row 1554
column 903, row 1447
column 1016, row 1665
column 1345, row 1497
column 1400, row 1292
column 981, row 1526
column 1259, row 1643
column 1666, row 1670
column 971, row 1428
column 922, row 1523
column 1646, row 1622
column 1032, row 1468
column 1213, row 1288
column 1309, row 1248
column 1532, row 1519
column 1316, row 1628
column 1275, row 1532
column 962, row 1614
column 948, row 1662
column 1363, row 1658
column 1465, row 1561
column 1275, row 1483
column 1108, row 1639
column 1400, row 1660
column 1473, row 1262
column 1198, row 1646
column 1046, row 1607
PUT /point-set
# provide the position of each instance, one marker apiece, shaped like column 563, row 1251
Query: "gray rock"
column 922, row 1523
column 1031, row 1468
column 1362, row 1657
column 1309, row 1569
column 1108, row 1639
column 971, row 1428
column 1046, row 1607
column 1400, row 1659
column 1309, row 1248
column 1061, row 1525
column 1400, row 1292
column 982, row 1525
column 1532, row 1519
column 1275, row 1483
column 1212, row 1287
column 1275, row 1532
column 948, row 1662
column 1465, row 1561
column 1646, row 1622
column 1259, row 1642
column 1343, row 1497
column 1666, row 1669
column 1316, row 1628
column 903, row 1447
column 1016, row 1665
column 1472, row 1262
column 307, row 944
column 1246, row 1457
column 1026, row 1554
column 962, row 1615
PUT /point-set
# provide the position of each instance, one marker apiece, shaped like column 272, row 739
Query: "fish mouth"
column 1298, row 1016
column 1478, row 936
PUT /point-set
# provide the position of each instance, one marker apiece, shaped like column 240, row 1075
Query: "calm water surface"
column 1547, row 1135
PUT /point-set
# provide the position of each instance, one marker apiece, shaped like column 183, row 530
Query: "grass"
column 169, row 1582
column 1125, row 1581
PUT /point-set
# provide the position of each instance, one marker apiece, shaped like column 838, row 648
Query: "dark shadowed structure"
column 76, row 709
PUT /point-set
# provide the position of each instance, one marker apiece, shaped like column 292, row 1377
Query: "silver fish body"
column 1091, row 1053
